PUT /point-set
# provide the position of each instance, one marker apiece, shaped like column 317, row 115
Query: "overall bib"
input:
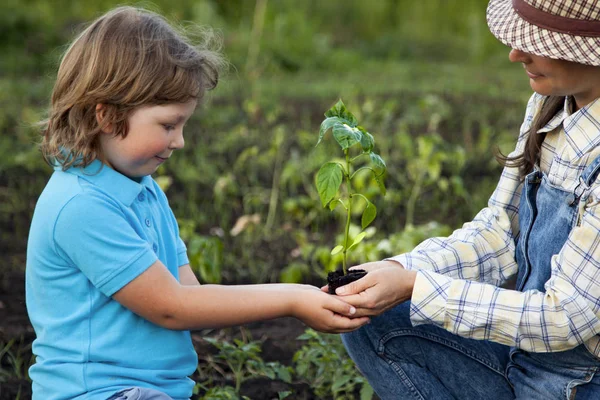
column 427, row 362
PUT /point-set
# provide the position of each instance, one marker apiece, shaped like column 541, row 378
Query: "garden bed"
column 277, row 338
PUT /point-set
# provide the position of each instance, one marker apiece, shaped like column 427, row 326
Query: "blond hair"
column 127, row 58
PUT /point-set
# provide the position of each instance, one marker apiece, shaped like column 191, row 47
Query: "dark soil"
column 278, row 344
column 337, row 278
column 16, row 330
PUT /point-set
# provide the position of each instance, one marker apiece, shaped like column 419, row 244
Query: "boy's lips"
column 161, row 159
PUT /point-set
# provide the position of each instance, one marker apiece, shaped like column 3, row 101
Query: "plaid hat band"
column 559, row 29
column 556, row 23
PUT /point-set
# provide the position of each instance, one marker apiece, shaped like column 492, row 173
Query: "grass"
column 386, row 78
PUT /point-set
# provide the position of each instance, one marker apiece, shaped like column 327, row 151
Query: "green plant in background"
column 205, row 252
column 15, row 360
column 333, row 174
column 244, row 362
column 222, row 393
column 323, row 363
column 424, row 169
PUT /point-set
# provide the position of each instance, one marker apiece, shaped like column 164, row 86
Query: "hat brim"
column 508, row 27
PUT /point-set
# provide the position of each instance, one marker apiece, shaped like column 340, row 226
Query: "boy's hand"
column 384, row 287
column 325, row 312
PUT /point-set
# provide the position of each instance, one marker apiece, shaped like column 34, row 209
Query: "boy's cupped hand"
column 325, row 312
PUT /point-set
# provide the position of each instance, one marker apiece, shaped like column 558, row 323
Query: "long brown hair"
column 127, row 58
column 527, row 160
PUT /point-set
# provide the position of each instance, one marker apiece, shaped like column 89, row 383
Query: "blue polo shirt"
column 93, row 231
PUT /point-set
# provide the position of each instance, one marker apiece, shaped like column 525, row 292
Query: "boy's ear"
column 101, row 110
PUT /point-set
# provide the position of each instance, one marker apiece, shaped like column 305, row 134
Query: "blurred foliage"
column 305, row 35
column 323, row 363
column 427, row 78
column 241, row 360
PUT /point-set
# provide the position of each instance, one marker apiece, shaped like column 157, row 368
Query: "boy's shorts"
column 138, row 393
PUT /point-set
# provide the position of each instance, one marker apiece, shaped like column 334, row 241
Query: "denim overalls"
column 427, row 362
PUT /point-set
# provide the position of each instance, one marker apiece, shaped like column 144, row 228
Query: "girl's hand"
column 384, row 287
column 324, row 312
column 370, row 266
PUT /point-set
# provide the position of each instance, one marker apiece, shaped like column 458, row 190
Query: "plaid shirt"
column 458, row 279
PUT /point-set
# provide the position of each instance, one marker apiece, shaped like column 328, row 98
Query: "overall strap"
column 586, row 179
column 590, row 174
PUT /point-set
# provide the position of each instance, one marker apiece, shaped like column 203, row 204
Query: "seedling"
column 334, row 181
column 324, row 364
column 244, row 361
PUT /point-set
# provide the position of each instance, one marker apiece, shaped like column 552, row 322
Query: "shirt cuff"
column 125, row 275
column 182, row 259
column 403, row 259
column 429, row 298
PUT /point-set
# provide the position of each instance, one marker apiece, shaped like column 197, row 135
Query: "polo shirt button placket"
column 141, row 197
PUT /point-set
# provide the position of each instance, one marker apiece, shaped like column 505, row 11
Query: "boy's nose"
column 178, row 142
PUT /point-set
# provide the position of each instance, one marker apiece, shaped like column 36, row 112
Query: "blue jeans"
column 138, row 393
column 427, row 362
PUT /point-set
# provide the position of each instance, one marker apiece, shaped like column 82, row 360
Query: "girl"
column 464, row 335
column 110, row 293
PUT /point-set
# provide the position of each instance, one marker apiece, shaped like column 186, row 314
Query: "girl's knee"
column 368, row 337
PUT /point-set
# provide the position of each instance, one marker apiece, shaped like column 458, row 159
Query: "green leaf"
column 434, row 168
column 339, row 382
column 284, row 374
column 293, row 273
column 346, row 135
column 340, row 110
column 337, row 249
column 380, row 184
column 366, row 392
column 326, row 125
column 359, row 238
column 284, row 394
column 333, row 204
column 366, row 141
column 369, row 214
column 206, row 257
column 305, row 336
column 380, row 166
column 329, row 179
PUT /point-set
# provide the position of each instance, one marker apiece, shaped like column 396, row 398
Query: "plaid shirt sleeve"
column 458, row 277
column 483, row 250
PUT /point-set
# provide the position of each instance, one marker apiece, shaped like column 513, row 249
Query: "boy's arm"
column 158, row 297
column 187, row 276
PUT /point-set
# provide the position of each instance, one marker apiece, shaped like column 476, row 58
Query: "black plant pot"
column 337, row 278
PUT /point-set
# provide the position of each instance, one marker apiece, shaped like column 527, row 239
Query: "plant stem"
column 349, row 210
column 257, row 30
column 238, row 378
column 412, row 200
column 275, row 189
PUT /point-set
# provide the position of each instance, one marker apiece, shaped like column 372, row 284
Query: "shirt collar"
column 582, row 128
column 559, row 117
column 112, row 182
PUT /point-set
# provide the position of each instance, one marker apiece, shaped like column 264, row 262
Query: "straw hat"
column 559, row 29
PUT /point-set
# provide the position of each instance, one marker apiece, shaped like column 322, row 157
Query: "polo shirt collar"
column 112, row 182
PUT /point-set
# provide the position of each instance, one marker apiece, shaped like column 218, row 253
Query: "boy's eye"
column 169, row 127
